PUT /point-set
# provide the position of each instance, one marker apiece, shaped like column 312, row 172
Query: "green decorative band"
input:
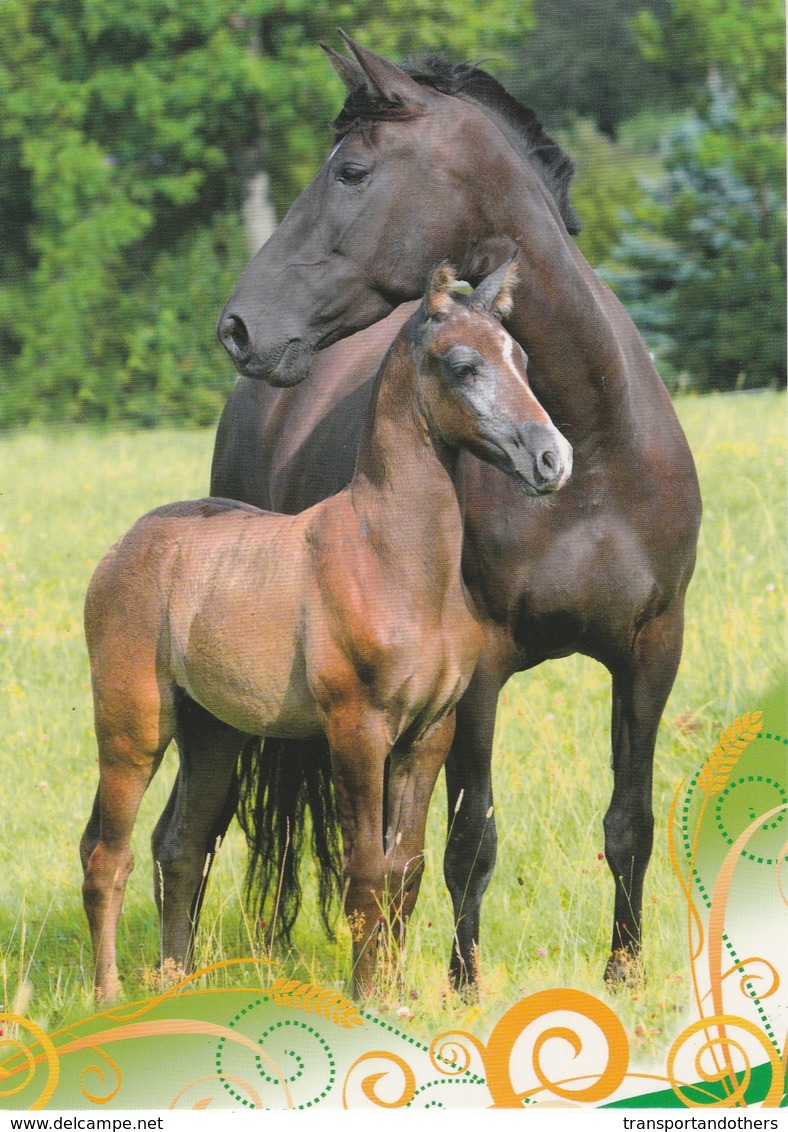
column 280, row 1026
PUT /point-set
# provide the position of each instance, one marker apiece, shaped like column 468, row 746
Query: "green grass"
column 65, row 497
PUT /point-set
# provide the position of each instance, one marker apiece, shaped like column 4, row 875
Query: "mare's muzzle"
column 285, row 362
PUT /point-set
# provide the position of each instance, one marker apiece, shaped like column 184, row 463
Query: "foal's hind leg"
column 196, row 817
column 127, row 762
column 641, row 685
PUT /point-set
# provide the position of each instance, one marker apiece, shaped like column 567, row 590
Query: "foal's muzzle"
column 542, row 458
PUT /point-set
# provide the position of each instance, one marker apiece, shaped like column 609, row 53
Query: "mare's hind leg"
column 197, row 814
column 472, row 841
column 127, row 762
column 641, row 685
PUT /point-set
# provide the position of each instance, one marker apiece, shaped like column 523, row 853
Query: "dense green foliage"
column 130, row 129
column 701, row 262
column 702, row 267
column 584, row 60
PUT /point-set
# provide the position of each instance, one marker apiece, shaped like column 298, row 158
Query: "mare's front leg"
column 642, row 680
column 472, row 841
column 195, row 819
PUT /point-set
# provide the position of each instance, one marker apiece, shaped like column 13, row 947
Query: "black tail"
column 278, row 781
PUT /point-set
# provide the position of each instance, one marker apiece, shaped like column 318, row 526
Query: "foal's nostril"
column 234, row 337
column 549, row 465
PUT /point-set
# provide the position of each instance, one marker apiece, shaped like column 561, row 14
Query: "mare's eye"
column 352, row 174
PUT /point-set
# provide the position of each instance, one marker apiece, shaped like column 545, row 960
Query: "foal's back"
column 208, row 596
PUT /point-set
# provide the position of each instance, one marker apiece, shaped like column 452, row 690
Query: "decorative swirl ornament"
column 497, row 1057
column 719, row 1046
column 450, row 1052
column 50, row 1056
column 292, row 1058
column 104, row 1097
column 744, row 969
column 369, row 1085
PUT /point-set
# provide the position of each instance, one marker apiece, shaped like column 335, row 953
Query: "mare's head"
column 425, row 165
column 473, row 383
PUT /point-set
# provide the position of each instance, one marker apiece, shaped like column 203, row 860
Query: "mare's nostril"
column 234, row 337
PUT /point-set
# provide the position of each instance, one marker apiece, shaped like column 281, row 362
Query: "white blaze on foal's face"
column 486, row 403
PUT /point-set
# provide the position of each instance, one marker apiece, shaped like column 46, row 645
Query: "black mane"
column 554, row 166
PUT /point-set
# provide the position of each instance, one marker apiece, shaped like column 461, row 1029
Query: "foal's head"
column 474, row 384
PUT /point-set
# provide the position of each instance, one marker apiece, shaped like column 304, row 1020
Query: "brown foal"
column 210, row 622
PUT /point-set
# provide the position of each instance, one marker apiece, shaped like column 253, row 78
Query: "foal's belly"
column 236, row 648
column 263, row 698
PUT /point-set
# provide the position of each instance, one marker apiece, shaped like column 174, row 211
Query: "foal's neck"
column 403, row 488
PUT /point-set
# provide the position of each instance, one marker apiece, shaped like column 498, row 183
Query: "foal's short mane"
column 554, row 166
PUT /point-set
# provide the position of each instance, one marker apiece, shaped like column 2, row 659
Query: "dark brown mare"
column 211, row 621
column 444, row 162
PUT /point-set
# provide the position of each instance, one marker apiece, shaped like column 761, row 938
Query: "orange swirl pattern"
column 369, row 1084
column 450, row 1052
column 497, row 1058
column 718, row 1044
column 28, row 1068
column 106, row 1097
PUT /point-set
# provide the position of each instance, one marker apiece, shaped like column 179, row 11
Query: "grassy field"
column 65, row 497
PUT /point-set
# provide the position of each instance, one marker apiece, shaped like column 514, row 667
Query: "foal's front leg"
column 382, row 875
column 412, row 777
column 359, row 745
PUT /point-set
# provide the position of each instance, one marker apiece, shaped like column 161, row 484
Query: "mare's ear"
column 483, row 257
column 438, row 301
column 387, row 79
column 494, row 294
column 348, row 69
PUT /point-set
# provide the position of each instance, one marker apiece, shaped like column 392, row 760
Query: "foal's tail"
column 278, row 780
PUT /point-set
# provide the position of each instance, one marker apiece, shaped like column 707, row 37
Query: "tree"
column 584, row 60
column 703, row 265
column 129, row 130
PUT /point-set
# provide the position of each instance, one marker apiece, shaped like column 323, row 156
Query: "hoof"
column 167, row 973
column 467, row 992
column 623, row 970
column 465, row 978
column 108, row 994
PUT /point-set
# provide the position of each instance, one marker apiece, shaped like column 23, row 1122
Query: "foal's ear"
column 494, row 294
column 438, row 301
column 387, row 79
column 348, row 70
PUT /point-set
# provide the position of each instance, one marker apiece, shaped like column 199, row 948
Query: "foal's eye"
column 463, row 370
column 351, row 174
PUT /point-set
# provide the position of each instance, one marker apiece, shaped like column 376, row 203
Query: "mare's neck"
column 565, row 319
column 403, row 489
